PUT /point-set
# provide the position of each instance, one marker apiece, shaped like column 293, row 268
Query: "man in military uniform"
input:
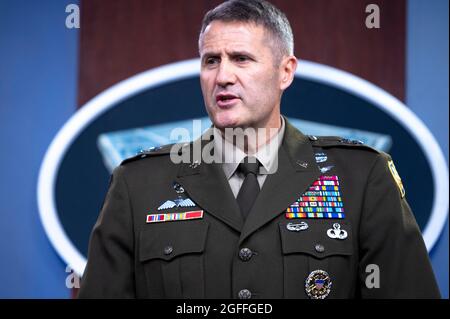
column 283, row 216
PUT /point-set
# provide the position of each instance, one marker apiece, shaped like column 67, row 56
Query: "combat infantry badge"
column 318, row 284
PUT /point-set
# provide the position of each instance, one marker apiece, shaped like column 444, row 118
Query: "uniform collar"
column 232, row 155
column 208, row 186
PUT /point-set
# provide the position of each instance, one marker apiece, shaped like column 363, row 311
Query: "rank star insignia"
column 318, row 284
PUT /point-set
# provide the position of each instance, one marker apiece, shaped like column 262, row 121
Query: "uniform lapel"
column 207, row 186
column 297, row 170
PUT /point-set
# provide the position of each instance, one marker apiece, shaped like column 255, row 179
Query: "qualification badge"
column 181, row 201
column 178, row 202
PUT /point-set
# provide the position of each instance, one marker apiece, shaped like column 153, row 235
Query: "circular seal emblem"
column 318, row 284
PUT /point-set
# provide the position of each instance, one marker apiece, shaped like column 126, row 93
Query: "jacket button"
column 244, row 294
column 245, row 254
column 319, row 248
column 168, row 250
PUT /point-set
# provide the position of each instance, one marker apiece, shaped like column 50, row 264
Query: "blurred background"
column 50, row 70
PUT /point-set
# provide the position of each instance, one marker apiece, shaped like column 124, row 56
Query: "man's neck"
column 250, row 139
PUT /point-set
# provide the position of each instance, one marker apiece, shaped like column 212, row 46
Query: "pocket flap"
column 171, row 239
column 314, row 240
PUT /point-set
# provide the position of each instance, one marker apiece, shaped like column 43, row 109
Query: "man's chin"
column 223, row 122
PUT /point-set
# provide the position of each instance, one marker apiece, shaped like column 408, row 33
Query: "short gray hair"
column 259, row 12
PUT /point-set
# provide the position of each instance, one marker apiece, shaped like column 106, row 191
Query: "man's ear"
column 288, row 67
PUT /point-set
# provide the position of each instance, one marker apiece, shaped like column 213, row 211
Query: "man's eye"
column 211, row 61
column 242, row 58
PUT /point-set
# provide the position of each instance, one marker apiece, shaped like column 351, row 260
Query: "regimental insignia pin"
column 195, row 164
column 321, row 200
column 318, row 284
column 297, row 227
column 178, row 202
column 397, row 178
column 321, row 157
column 170, row 217
column 178, row 188
column 336, row 232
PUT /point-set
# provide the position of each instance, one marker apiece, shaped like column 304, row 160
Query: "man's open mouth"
column 225, row 100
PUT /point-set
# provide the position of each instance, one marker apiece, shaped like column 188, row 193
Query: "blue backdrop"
column 427, row 91
column 38, row 74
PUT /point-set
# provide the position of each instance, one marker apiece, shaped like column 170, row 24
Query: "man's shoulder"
column 327, row 142
column 349, row 150
column 153, row 152
column 352, row 152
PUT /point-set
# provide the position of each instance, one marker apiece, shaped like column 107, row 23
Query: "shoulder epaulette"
column 151, row 152
column 337, row 141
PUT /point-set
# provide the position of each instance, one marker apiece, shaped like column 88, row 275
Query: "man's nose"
column 225, row 75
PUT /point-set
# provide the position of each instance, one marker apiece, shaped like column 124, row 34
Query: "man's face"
column 240, row 83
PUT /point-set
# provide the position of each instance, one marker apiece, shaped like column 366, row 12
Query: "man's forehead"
column 235, row 34
column 232, row 27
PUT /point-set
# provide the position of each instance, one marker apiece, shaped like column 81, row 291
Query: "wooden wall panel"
column 119, row 38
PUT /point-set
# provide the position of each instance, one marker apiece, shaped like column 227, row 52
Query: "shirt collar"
column 224, row 151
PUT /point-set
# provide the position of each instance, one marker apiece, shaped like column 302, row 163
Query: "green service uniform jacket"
column 373, row 249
